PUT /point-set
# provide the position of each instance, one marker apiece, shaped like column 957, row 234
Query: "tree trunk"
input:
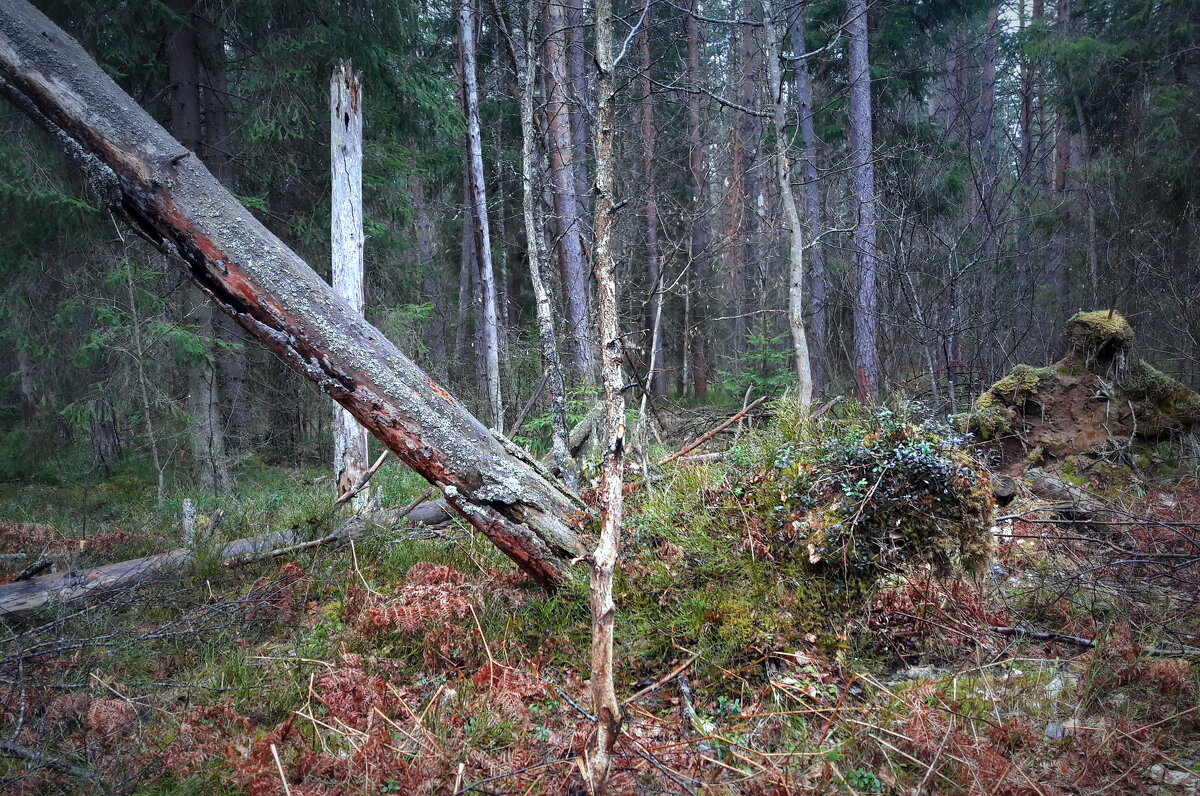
column 577, row 58
column 862, row 179
column 216, row 144
column 168, row 197
column 1026, row 290
column 561, row 151
column 604, row 558
column 524, row 57
column 698, row 215
column 791, row 214
column 435, row 335
column 811, row 193
column 346, row 246
column 488, row 334
column 657, row 378
column 23, row 597
column 209, row 467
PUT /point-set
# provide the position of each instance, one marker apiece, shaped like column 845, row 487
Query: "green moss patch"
column 796, row 526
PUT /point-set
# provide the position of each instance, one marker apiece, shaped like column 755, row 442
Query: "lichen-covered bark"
column 168, row 197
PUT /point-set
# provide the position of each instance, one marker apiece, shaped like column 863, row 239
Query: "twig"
column 1042, row 635
column 34, row 569
column 523, row 415
column 362, row 482
column 574, row 704
column 29, row 755
column 666, row 771
column 825, row 407
column 709, row 435
column 689, row 713
column 678, row 670
column 282, row 776
column 418, row 500
column 513, row 773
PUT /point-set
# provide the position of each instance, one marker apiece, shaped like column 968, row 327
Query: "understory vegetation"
column 831, row 606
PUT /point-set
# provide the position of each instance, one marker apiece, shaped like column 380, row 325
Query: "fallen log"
column 163, row 191
column 23, row 597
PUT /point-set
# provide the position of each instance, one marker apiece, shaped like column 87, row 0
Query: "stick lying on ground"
column 709, row 435
column 1087, row 643
column 29, row 595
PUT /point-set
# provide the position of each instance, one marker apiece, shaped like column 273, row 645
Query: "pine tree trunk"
column 346, row 246
column 147, row 179
column 862, row 179
column 217, row 142
column 1026, row 290
column 426, row 248
column 524, row 57
column 577, row 59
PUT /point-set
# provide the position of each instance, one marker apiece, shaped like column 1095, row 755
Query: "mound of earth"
column 1097, row 393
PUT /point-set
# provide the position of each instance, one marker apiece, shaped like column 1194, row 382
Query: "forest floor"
column 748, row 662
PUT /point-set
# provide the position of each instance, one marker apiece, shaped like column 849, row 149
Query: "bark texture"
column 604, row 558
column 209, row 467
column 698, row 220
column 346, row 231
column 133, row 166
column 487, row 331
column 810, row 192
column 791, row 214
column 862, row 180
column 561, row 151
column 524, row 57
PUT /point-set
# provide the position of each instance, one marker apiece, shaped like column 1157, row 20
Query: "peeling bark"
column 604, row 558
column 162, row 190
column 346, row 243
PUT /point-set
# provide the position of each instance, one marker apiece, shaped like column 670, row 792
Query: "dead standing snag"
column 163, row 191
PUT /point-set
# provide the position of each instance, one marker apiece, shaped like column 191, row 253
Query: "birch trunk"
column 346, row 237
column 489, row 335
column 791, row 215
column 604, row 558
column 524, row 55
column 811, row 193
column 148, row 180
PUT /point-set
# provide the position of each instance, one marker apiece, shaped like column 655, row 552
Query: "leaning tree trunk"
column 168, row 197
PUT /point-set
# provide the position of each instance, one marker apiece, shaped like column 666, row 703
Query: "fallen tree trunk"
column 23, row 597
column 167, row 195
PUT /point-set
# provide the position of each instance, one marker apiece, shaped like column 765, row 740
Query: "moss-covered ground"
column 811, row 614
